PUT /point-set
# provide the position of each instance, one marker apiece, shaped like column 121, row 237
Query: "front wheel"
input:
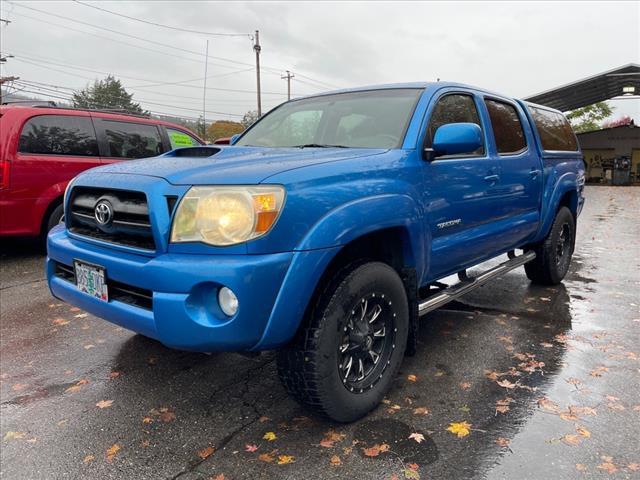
column 347, row 354
column 553, row 255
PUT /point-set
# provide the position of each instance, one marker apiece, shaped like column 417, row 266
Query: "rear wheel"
column 346, row 356
column 553, row 255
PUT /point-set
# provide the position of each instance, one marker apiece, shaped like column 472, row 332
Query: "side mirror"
column 454, row 139
column 234, row 138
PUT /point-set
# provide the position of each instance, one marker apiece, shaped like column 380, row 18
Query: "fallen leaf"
column 218, row 477
column 112, row 451
column 11, row 435
column 411, row 474
column 265, row 457
column 608, row 467
column 571, row 439
column 549, row 405
column 270, row 436
column 19, row 386
column 581, row 467
column 89, row 346
column 506, row 384
column 113, row 375
column 58, row 322
column 167, row 415
column 634, row 467
column 418, row 437
column 461, row 429
column 465, row 385
column 583, row 432
column 263, row 419
column 412, row 378
column 421, row 411
column 147, row 420
column 104, row 403
column 335, row 461
column 250, row 447
column 81, row 315
column 503, row 442
column 76, row 387
column 285, row 459
column 597, row 372
column 330, row 438
column 89, row 458
column 206, row 452
column 376, row 450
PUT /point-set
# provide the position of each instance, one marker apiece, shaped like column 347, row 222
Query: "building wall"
column 603, row 145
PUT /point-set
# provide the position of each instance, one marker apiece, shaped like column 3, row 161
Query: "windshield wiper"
column 319, row 145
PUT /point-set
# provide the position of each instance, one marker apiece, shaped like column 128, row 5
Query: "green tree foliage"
column 223, row 128
column 249, row 118
column 107, row 94
column 588, row 118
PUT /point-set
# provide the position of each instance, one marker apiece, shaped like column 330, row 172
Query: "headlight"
column 226, row 215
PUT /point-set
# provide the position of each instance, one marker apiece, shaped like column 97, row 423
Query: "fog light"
column 228, row 301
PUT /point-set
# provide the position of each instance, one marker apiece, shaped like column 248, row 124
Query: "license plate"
column 91, row 280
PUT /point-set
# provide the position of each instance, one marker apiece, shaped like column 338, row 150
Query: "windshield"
column 370, row 119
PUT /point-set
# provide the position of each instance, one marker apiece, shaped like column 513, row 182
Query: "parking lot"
column 546, row 379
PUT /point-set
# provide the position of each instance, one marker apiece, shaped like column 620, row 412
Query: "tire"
column 315, row 368
column 553, row 255
column 55, row 217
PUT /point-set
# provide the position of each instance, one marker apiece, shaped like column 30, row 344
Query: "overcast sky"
column 514, row 48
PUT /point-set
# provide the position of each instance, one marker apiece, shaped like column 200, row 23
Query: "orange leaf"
column 570, row 439
column 412, row 378
column 583, row 432
column 506, row 384
column 104, row 403
column 421, row 411
column 112, row 451
column 608, row 467
column 335, row 461
column 265, row 457
column 206, row 452
column 89, row 458
column 285, row 459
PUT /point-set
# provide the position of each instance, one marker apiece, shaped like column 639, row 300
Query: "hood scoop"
column 194, row 152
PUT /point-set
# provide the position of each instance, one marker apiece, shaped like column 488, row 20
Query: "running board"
column 469, row 283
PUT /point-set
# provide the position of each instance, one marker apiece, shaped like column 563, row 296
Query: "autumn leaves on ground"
column 513, row 381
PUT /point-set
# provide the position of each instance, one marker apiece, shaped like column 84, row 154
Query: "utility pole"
column 288, row 77
column 4, row 80
column 257, row 49
column 204, row 94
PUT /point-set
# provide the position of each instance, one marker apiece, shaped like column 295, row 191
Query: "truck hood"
column 231, row 165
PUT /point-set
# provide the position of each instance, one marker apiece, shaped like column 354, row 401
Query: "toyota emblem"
column 103, row 213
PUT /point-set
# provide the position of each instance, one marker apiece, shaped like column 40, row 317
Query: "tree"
column 107, row 94
column 587, row 118
column 223, row 128
column 249, row 118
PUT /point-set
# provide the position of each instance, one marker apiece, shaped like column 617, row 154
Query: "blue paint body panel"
column 454, row 213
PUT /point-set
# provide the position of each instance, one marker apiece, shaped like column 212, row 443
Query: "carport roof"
column 600, row 87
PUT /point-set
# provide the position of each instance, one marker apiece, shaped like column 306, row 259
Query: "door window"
column 454, row 108
column 132, row 140
column 554, row 130
column 59, row 135
column 507, row 128
column 180, row 139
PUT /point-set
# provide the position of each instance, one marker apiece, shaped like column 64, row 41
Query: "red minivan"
column 43, row 148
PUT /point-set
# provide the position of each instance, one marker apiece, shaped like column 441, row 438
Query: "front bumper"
column 185, row 312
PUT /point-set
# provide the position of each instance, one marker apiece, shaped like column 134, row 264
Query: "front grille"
column 118, row 291
column 129, row 224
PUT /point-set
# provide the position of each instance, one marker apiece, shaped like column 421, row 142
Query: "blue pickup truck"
column 325, row 230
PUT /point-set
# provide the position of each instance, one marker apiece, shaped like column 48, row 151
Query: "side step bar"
column 469, row 283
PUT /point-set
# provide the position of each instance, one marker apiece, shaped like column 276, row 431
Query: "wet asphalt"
column 547, row 378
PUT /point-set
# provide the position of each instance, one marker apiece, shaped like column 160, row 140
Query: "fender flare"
column 567, row 182
column 323, row 242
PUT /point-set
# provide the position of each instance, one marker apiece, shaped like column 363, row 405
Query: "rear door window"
column 507, row 128
column 132, row 140
column 554, row 130
column 59, row 135
column 180, row 139
column 453, row 108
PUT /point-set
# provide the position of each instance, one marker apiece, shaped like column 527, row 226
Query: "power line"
column 162, row 25
column 21, row 58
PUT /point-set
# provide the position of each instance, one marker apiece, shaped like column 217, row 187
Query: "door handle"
column 492, row 178
column 534, row 173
